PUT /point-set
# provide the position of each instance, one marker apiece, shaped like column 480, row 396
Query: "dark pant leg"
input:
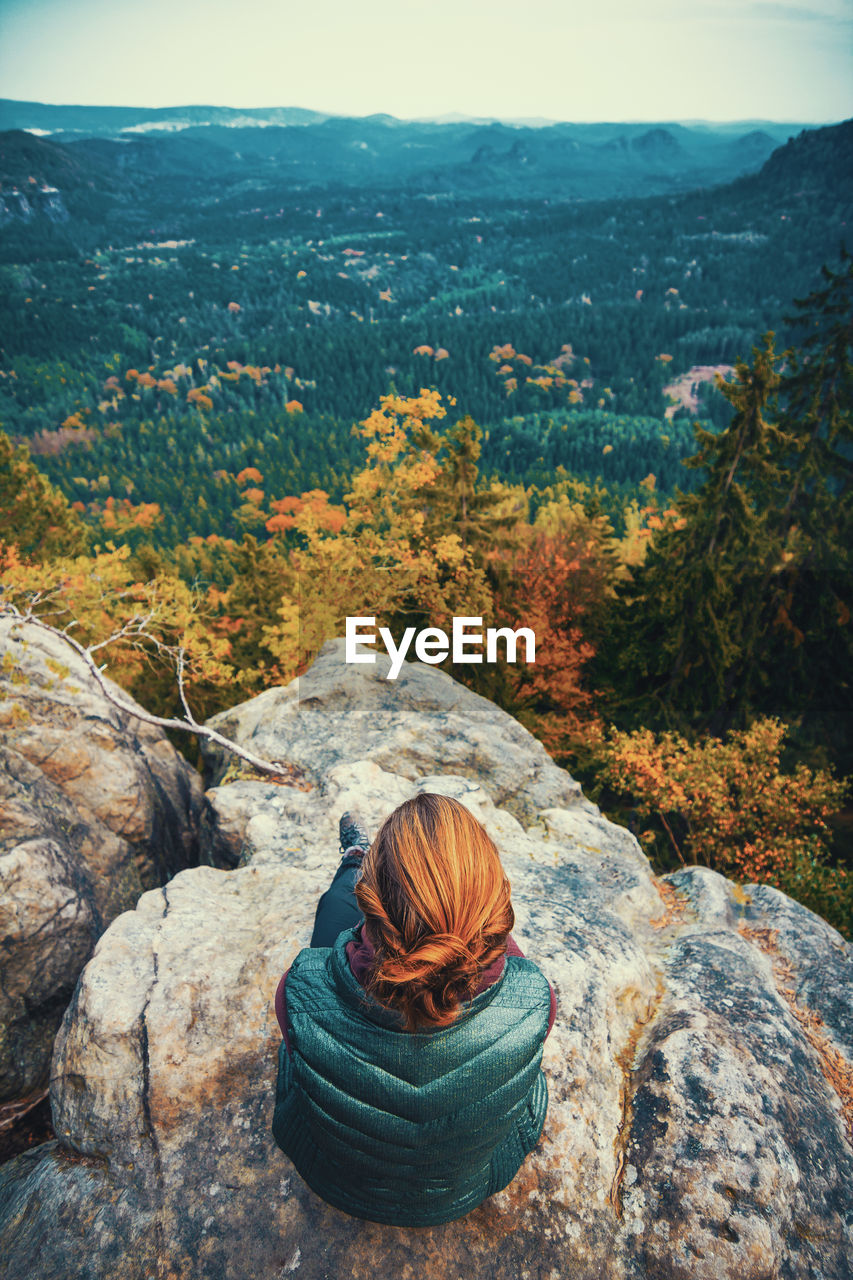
column 337, row 909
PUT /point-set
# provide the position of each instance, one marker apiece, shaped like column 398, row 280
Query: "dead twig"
column 137, row 629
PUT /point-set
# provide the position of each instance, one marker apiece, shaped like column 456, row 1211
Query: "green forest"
column 623, row 422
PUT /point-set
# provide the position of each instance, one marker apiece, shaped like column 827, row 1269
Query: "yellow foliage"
column 99, row 595
column 376, row 556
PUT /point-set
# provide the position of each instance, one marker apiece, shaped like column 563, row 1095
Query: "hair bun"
column 449, row 952
column 443, row 959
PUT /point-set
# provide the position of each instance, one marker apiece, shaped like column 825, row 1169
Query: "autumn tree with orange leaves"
column 555, row 579
column 141, row 633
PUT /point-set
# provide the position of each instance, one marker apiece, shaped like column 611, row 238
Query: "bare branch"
column 180, row 670
column 662, row 817
column 131, row 628
column 190, row 725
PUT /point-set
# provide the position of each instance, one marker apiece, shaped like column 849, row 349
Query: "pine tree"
column 743, row 604
column 816, row 522
column 679, row 637
column 458, row 502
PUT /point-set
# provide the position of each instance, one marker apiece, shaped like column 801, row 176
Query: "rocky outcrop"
column 422, row 722
column 25, row 206
column 695, row 1126
column 95, row 808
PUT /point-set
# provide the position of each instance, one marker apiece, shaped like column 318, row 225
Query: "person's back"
column 409, row 1085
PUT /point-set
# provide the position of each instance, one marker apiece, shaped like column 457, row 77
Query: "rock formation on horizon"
column 694, row 1131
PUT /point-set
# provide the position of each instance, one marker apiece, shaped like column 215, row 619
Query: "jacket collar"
column 356, row 997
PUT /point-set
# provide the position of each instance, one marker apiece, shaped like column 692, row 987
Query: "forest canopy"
column 698, row 647
column 234, row 416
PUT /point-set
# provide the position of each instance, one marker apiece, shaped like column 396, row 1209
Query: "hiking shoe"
column 353, row 832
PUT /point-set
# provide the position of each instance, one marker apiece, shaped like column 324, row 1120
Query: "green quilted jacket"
column 408, row 1128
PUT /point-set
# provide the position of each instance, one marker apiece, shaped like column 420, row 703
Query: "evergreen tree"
column 687, row 609
column 816, row 522
column 458, row 501
column 742, row 606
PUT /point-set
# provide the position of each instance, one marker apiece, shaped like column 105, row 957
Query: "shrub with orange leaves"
column 122, row 516
column 726, row 802
column 311, row 510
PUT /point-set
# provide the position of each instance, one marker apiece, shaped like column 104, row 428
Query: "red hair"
column 437, row 907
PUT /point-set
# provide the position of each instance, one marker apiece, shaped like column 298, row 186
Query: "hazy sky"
column 563, row 59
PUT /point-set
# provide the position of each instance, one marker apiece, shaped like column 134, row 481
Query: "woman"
column 409, row 1083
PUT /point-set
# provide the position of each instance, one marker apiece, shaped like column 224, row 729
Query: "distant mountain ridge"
column 309, row 149
column 827, row 150
column 107, row 120
column 813, row 168
column 136, row 178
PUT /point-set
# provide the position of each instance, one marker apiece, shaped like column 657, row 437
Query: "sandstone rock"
column 422, row 722
column 692, row 1130
column 95, row 808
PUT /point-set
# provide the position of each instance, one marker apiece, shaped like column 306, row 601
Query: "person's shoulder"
column 518, row 960
column 522, row 970
column 308, row 960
